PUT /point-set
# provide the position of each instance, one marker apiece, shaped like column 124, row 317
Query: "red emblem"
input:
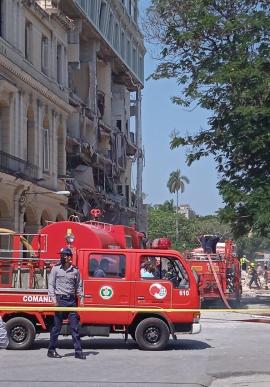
column 95, row 212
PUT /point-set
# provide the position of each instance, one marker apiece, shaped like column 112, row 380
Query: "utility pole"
column 139, row 199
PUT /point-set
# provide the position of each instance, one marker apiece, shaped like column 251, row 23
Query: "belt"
column 65, row 296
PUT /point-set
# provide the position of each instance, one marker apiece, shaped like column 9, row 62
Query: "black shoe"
column 52, row 353
column 80, row 355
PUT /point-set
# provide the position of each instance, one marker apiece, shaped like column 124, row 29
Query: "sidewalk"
column 257, row 380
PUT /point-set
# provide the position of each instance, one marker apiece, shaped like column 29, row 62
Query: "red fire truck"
column 219, row 272
column 149, row 309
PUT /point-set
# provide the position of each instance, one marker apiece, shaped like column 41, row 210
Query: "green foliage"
column 251, row 246
column 219, row 54
column 162, row 222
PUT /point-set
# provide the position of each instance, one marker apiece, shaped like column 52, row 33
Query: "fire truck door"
column 106, row 284
column 162, row 281
column 150, row 289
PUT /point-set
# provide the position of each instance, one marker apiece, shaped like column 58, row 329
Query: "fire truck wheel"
column 152, row 334
column 21, row 333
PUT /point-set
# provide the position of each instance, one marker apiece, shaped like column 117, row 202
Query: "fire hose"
column 218, row 282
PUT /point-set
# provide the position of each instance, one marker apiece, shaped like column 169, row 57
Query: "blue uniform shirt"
column 64, row 282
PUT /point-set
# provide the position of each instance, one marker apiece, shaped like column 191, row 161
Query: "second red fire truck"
column 219, row 270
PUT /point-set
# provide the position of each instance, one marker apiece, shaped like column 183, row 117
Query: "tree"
column 219, row 53
column 176, row 183
column 161, row 222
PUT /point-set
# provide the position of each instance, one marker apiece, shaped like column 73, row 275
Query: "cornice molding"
column 43, row 90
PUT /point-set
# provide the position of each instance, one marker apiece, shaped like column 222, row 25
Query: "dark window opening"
column 127, row 195
column 120, row 189
column 119, row 124
column 1, row 17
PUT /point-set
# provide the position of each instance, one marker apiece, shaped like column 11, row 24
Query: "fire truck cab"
column 131, row 298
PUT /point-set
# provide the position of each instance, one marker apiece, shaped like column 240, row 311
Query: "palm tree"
column 177, row 183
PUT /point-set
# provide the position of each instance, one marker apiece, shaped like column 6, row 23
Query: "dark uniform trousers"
column 65, row 301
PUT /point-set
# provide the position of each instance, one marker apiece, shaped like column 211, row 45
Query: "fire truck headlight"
column 70, row 238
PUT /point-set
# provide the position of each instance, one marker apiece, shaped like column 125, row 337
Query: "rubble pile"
column 253, row 292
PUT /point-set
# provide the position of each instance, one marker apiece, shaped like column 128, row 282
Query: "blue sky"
column 159, row 118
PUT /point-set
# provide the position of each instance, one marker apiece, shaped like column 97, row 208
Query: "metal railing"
column 17, row 167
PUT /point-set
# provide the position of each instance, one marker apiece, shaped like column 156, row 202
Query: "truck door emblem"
column 106, row 292
column 158, row 291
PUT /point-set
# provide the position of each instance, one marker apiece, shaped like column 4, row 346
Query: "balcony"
column 17, row 167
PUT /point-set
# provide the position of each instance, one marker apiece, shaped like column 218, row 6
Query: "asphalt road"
column 228, row 352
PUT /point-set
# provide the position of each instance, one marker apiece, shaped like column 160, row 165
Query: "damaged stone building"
column 71, row 73
column 105, row 65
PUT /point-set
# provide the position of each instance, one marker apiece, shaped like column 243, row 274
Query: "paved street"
column 224, row 349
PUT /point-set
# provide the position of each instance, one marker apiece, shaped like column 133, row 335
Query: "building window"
column 123, row 45
column 110, row 28
column 128, row 53
column 44, row 55
column 116, row 37
column 120, row 189
column 1, row 17
column 46, row 157
column 102, row 15
column 28, row 40
column 83, row 4
column 141, row 69
column 127, row 195
column 93, row 10
column 134, row 59
column 59, row 64
column 30, row 136
column 60, row 152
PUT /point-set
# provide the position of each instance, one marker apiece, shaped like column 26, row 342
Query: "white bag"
column 3, row 334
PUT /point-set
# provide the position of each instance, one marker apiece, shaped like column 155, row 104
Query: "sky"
column 160, row 117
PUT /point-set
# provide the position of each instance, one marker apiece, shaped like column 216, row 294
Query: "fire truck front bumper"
column 196, row 328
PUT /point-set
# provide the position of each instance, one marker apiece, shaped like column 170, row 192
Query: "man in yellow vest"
column 243, row 262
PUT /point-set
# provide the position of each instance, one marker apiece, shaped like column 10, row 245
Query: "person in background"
column 148, row 269
column 93, row 265
column 64, row 286
column 243, row 262
column 3, row 335
column 102, row 268
column 266, row 277
column 254, row 276
column 209, row 243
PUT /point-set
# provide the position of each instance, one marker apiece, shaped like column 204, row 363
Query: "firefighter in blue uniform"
column 64, row 286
